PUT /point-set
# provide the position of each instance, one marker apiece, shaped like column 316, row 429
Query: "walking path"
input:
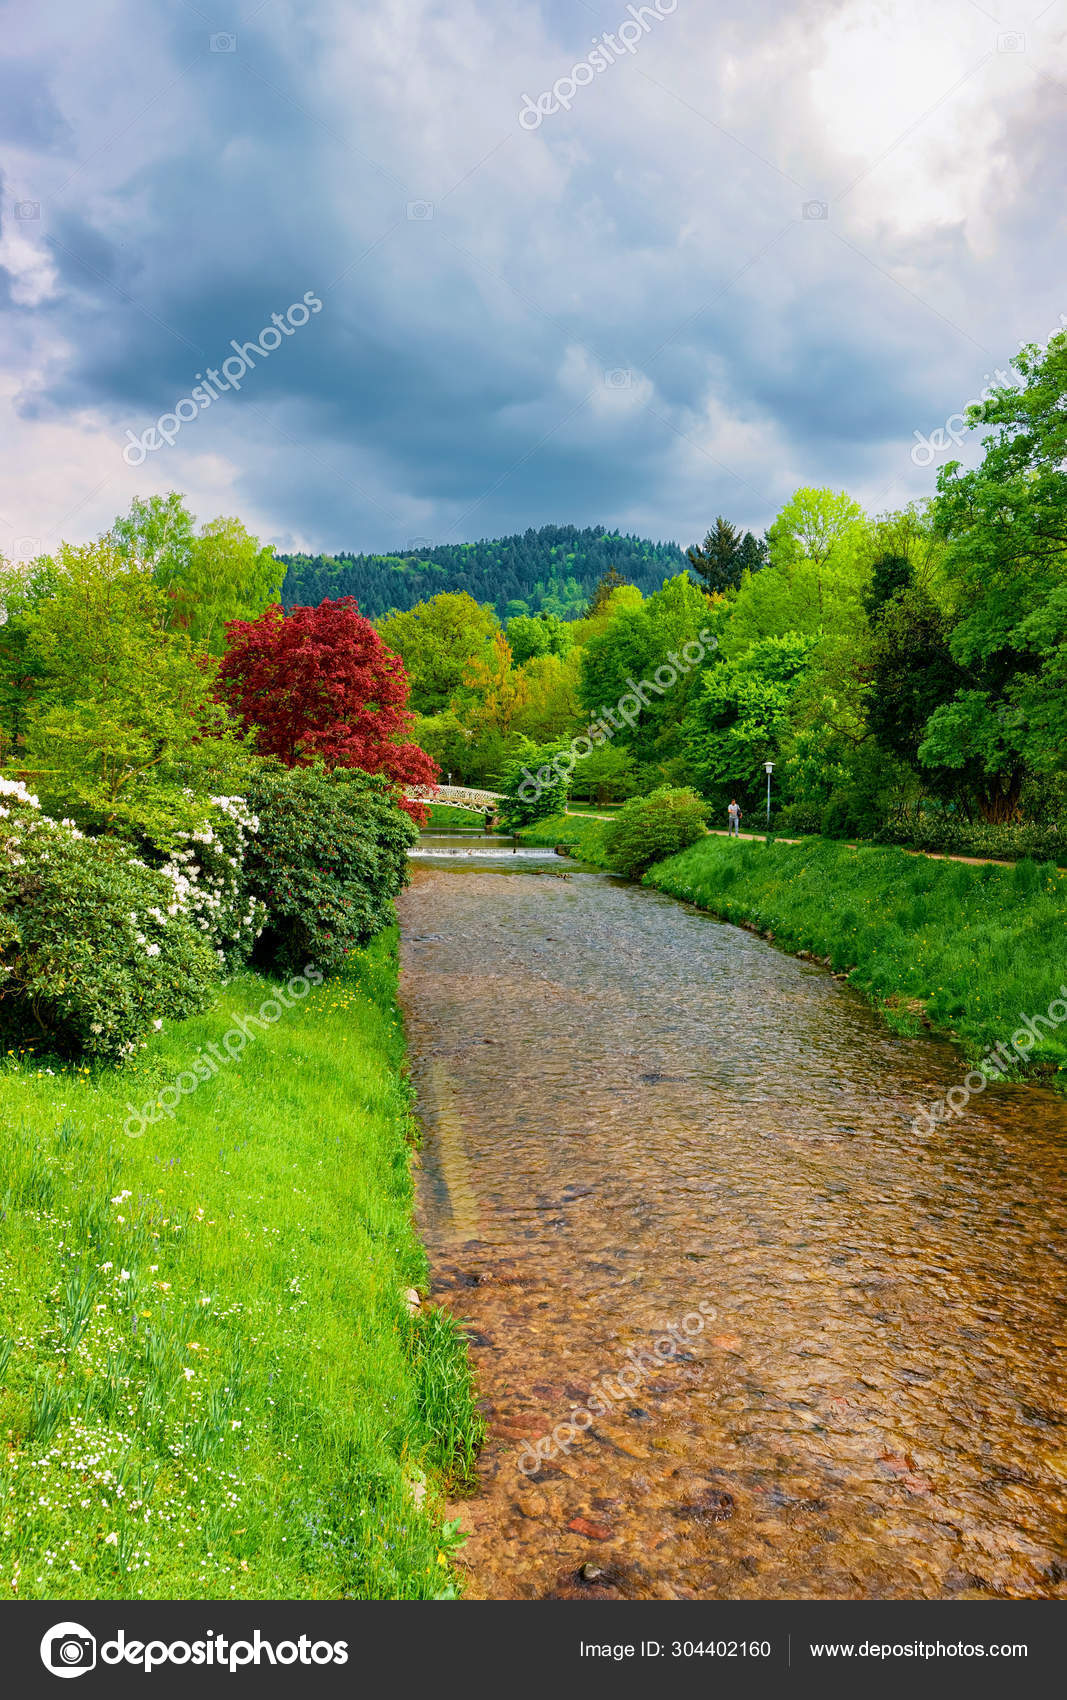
column 756, row 837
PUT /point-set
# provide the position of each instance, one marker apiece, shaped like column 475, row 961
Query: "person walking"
column 734, row 814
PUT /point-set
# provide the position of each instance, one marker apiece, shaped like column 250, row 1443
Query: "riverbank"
column 448, row 814
column 581, row 835
column 970, row 951
column 212, row 1385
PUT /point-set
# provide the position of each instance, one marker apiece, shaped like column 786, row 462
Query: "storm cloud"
column 756, row 246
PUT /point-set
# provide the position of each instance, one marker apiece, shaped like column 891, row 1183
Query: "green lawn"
column 211, row 1384
column 447, row 814
column 974, row 948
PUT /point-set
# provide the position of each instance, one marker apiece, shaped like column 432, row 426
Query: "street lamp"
column 769, row 767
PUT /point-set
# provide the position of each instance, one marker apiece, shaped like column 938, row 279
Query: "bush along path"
column 215, row 1379
column 973, row 951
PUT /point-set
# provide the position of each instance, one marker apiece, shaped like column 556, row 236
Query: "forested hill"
column 556, row 569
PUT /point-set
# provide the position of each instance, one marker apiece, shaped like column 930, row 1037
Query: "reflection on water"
column 631, row 1108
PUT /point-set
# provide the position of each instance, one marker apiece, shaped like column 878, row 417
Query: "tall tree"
column 724, row 555
column 123, row 725
column 439, row 641
column 609, row 581
column 1005, row 523
column 24, row 586
column 211, row 576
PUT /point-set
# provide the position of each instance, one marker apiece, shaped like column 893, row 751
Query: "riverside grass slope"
column 211, row 1384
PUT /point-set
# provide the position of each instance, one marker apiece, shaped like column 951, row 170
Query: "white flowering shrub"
column 93, row 951
column 206, row 873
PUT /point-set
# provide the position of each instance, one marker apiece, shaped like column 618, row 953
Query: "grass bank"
column 447, row 814
column 579, row 833
column 211, row 1385
column 969, row 949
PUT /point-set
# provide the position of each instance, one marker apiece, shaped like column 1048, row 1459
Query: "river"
column 637, row 1117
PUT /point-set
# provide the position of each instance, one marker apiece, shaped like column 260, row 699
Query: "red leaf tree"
column 319, row 682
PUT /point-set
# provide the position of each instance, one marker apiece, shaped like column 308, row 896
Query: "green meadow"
column 213, row 1385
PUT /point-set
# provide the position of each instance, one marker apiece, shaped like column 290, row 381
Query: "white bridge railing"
column 461, row 796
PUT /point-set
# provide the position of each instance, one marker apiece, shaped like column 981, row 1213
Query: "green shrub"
column 954, row 837
column 535, row 785
column 93, row 951
column 647, row 829
column 328, row 859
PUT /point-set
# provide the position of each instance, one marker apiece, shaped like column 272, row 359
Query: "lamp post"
column 769, row 767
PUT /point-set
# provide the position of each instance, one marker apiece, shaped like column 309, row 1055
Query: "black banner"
column 595, row 1648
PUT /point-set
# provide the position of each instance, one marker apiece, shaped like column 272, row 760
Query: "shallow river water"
column 636, row 1117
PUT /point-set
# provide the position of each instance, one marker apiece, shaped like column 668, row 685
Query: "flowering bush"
column 329, row 857
column 93, row 950
column 207, row 873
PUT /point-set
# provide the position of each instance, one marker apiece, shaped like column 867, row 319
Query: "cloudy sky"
column 729, row 249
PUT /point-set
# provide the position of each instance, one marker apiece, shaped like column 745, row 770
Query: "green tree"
column 551, row 708
column 440, row 642
column 606, row 775
column 814, row 581
column 541, row 634
column 124, row 725
column 23, row 588
column 643, row 645
column 609, row 582
column 743, row 713
column 535, row 783
column 725, row 554
column 210, row 577
column 1005, row 524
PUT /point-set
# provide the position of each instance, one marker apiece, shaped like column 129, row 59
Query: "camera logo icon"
column 68, row 1649
column 420, row 209
column 619, row 378
column 1011, row 42
column 815, row 209
column 224, row 42
column 27, row 209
